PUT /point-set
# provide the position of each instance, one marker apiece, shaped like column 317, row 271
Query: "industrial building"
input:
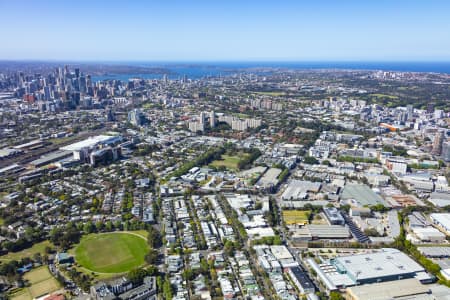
column 388, row 290
column 50, row 158
column 442, row 220
column 319, row 232
column 298, row 189
column 385, row 265
column 361, row 195
column 428, row 234
column 269, row 180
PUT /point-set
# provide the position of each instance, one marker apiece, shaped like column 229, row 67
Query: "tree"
column 136, row 276
column 152, row 256
column 167, row 289
column 229, row 248
column 88, row 227
column 310, row 160
column 336, row 296
column 154, row 238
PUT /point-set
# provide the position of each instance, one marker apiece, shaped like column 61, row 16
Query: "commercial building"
column 82, row 150
column 334, row 217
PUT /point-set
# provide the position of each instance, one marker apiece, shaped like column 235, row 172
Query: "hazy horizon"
column 293, row 31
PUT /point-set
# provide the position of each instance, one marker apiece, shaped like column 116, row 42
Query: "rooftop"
column 389, row 262
column 91, row 142
column 362, row 194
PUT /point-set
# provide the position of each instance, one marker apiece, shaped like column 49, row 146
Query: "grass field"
column 111, row 252
column 296, row 216
column 384, row 96
column 37, row 248
column 41, row 283
column 274, row 94
column 228, row 161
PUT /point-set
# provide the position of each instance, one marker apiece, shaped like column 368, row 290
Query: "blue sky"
column 319, row 30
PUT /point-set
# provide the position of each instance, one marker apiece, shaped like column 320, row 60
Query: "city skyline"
column 231, row 31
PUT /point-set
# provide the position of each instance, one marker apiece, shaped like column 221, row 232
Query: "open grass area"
column 116, row 252
column 143, row 233
column 274, row 94
column 296, row 216
column 384, row 96
column 40, row 281
column 228, row 161
column 36, row 248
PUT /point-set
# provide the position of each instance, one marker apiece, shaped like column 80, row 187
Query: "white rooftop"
column 389, row 262
column 90, row 142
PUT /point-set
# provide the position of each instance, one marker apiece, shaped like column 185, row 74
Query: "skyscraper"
column 437, row 143
column 410, row 111
column 202, row 117
column 135, row 117
column 212, row 119
column 446, row 151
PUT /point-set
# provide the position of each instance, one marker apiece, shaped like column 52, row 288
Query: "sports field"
column 111, row 252
column 41, row 283
column 228, row 161
column 296, row 216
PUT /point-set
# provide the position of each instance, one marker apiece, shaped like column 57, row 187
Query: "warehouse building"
column 361, row 195
column 385, row 265
column 50, row 158
column 428, row 234
column 442, row 220
column 388, row 290
column 298, row 189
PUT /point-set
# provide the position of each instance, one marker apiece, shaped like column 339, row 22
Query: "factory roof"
column 362, row 194
column 389, row 262
column 51, row 157
column 92, row 142
column 388, row 290
column 328, row 231
column 299, row 187
column 443, row 219
column 270, row 178
column 435, row 251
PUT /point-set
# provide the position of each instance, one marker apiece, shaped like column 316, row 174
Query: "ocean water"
column 195, row 70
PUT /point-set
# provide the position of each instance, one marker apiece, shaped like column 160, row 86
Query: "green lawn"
column 111, row 252
column 228, row 161
column 36, row 248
